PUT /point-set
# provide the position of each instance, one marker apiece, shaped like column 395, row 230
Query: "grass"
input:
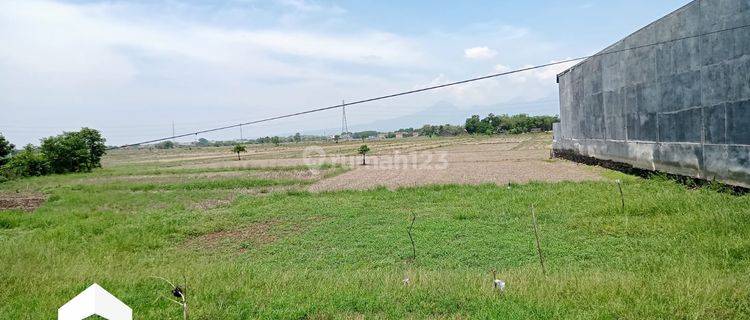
column 675, row 253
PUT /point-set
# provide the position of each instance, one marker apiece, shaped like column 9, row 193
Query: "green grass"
column 674, row 253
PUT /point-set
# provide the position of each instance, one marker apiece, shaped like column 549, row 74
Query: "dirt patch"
column 255, row 235
column 23, row 201
column 251, row 236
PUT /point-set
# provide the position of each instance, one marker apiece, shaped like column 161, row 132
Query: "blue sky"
column 130, row 68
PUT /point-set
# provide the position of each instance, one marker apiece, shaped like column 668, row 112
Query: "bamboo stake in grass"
column 411, row 238
column 406, row 280
column 536, row 235
column 177, row 292
column 622, row 204
column 622, row 196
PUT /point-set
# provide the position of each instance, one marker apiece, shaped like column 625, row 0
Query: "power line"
column 403, row 93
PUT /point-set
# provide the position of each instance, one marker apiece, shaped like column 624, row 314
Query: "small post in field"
column 622, row 196
column 536, row 235
column 409, row 229
column 178, row 292
column 622, row 203
column 411, row 238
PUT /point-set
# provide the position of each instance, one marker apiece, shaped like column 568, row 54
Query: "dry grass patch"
column 212, row 203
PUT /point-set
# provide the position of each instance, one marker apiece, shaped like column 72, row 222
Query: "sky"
column 133, row 68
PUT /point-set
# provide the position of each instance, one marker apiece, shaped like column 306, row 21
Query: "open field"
column 394, row 163
column 268, row 237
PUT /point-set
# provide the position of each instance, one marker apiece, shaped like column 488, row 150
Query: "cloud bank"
column 132, row 68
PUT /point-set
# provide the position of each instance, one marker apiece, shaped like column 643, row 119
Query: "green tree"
column 203, row 142
column 427, row 130
column 6, row 148
column 276, row 140
column 297, row 137
column 75, row 151
column 364, row 134
column 95, row 143
column 472, row 124
column 237, row 149
column 166, row 145
column 363, row 150
column 27, row 163
column 519, row 123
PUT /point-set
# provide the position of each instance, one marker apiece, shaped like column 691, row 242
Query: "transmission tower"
column 344, row 127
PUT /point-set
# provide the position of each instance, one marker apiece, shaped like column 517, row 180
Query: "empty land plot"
column 253, row 244
column 392, row 163
column 500, row 161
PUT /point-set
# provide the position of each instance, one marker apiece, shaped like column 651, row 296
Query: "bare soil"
column 255, row 235
column 23, row 201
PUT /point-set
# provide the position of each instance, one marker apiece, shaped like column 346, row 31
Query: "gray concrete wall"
column 681, row 107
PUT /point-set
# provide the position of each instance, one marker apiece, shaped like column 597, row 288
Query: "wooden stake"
column 413, row 247
column 622, row 196
column 536, row 235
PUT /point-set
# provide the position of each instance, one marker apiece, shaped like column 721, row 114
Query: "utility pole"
column 173, row 129
column 241, row 134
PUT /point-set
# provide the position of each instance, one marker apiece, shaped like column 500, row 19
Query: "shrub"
column 27, row 163
column 165, row 145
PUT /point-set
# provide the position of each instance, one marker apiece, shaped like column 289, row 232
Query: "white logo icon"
column 94, row 301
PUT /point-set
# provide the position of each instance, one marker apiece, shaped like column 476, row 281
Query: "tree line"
column 76, row 151
column 519, row 123
column 492, row 124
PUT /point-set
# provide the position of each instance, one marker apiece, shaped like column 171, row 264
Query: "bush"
column 76, row 151
column 27, row 163
column 165, row 145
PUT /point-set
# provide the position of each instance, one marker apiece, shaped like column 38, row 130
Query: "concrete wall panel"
column 738, row 122
column 680, row 91
column 681, row 106
column 714, row 124
column 615, row 115
column 681, row 126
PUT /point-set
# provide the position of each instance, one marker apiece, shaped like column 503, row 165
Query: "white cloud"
column 72, row 64
column 524, row 86
column 479, row 53
column 501, row 68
